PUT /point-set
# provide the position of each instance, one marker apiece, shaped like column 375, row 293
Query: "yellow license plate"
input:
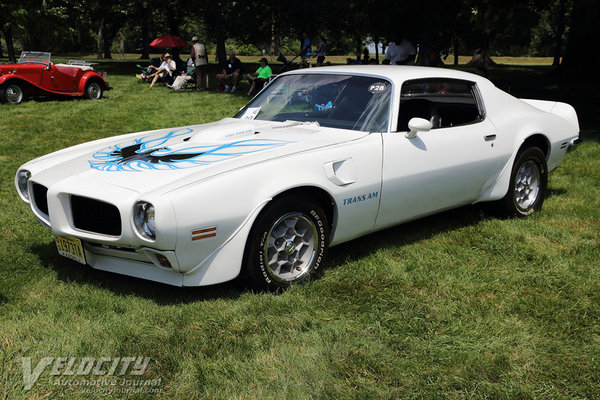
column 70, row 247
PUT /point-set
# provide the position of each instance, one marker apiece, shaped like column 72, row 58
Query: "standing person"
column 407, row 52
column 390, row 53
column 231, row 72
column 320, row 51
column 366, row 56
column 200, row 58
column 305, row 50
column 258, row 79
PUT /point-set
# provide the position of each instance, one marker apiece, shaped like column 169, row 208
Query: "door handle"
column 489, row 137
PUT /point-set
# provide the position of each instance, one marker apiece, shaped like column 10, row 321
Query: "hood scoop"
column 223, row 132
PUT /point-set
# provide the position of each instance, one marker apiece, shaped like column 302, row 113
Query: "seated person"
column 258, row 79
column 184, row 77
column 231, row 74
column 165, row 70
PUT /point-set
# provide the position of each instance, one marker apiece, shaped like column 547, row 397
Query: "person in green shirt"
column 258, row 79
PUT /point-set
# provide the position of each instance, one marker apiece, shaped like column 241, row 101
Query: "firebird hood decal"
column 166, row 152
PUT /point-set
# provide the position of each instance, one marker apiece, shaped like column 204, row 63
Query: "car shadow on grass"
column 69, row 271
column 418, row 230
column 59, row 98
column 72, row 272
column 408, row 233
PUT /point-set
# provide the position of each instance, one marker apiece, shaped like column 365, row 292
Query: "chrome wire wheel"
column 527, row 185
column 13, row 94
column 93, row 90
column 290, row 248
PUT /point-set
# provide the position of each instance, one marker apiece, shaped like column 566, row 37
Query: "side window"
column 444, row 102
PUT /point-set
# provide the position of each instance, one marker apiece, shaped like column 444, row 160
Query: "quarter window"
column 444, row 102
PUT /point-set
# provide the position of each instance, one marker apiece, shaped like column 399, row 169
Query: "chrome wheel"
column 290, row 248
column 13, row 94
column 527, row 185
column 93, row 90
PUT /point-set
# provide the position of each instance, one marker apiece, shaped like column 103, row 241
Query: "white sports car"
column 319, row 157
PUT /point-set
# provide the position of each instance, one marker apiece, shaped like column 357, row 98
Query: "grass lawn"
column 457, row 305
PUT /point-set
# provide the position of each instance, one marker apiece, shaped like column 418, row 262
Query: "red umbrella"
column 168, row 41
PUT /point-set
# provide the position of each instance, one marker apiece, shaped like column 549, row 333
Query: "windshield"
column 338, row 101
column 34, row 56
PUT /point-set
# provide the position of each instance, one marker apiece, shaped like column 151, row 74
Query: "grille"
column 40, row 197
column 95, row 216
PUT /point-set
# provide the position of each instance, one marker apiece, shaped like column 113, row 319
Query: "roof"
column 394, row 72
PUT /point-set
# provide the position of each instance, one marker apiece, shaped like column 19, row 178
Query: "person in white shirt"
column 166, row 68
column 400, row 52
column 200, row 57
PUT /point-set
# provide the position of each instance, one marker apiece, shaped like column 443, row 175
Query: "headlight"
column 22, row 179
column 143, row 219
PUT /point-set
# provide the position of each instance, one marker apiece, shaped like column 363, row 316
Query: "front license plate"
column 70, row 247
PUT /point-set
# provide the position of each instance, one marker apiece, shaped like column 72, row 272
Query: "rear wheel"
column 93, row 90
column 13, row 93
column 528, row 182
column 287, row 244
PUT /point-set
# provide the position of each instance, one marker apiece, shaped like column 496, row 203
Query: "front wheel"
column 287, row 245
column 13, row 93
column 93, row 90
column 528, row 182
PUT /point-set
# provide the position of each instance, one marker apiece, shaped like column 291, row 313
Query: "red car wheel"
column 93, row 90
column 13, row 93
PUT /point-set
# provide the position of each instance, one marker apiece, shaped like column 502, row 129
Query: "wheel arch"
column 25, row 84
column 536, row 140
column 500, row 187
column 320, row 196
column 91, row 76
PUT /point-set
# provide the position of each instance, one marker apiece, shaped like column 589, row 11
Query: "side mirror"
column 416, row 125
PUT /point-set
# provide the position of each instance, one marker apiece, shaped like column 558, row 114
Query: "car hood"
column 153, row 160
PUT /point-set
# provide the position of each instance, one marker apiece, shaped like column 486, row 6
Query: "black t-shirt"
column 231, row 67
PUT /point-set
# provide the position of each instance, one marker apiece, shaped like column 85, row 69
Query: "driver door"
column 449, row 166
column 59, row 79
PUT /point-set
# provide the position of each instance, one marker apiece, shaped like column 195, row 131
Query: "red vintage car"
column 36, row 75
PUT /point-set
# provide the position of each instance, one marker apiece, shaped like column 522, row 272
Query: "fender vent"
column 95, row 216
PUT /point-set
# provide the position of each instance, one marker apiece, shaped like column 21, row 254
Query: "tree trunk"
column 272, row 35
column 560, row 31
column 481, row 58
column 108, row 39
column 377, row 49
column 455, row 47
column 358, row 48
column 121, row 44
column 220, row 33
column 1, row 54
column 145, row 33
column 10, row 47
column 99, row 39
column 582, row 51
column 173, row 20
